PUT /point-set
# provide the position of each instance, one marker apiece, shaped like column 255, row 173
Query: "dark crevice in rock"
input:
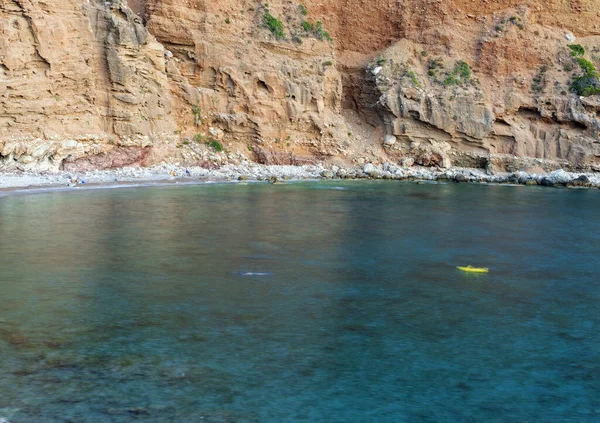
column 263, row 86
column 501, row 122
column 529, row 113
column 573, row 124
column 415, row 114
column 360, row 93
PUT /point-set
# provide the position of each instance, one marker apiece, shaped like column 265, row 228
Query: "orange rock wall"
column 156, row 78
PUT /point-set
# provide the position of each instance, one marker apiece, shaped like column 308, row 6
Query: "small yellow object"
column 472, row 269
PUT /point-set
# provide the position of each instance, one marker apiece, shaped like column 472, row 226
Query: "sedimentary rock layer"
column 102, row 84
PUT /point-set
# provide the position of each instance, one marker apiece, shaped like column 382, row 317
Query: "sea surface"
column 304, row 302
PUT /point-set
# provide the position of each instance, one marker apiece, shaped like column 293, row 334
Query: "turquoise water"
column 305, row 302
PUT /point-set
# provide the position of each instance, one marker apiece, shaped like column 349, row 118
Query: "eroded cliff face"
column 90, row 84
column 78, row 79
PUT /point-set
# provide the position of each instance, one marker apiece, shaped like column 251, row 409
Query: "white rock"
column 560, row 176
column 521, row 175
column 40, row 151
column 570, row 37
column 370, row 168
column 69, row 144
column 377, row 70
column 389, row 140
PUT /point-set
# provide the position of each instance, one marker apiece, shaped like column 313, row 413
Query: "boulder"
column 582, row 181
column 327, row 174
column 560, row 177
column 547, row 182
column 407, row 162
column 370, row 170
column 521, row 177
column 389, row 140
column 459, row 177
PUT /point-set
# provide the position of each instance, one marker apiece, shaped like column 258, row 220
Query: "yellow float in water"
column 472, row 269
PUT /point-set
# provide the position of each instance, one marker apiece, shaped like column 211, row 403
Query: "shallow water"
column 305, row 302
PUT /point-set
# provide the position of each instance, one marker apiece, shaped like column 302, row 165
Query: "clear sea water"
column 304, row 302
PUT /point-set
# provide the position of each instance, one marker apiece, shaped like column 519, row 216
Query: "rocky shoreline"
column 249, row 171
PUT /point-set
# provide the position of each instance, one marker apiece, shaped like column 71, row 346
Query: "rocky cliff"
column 88, row 84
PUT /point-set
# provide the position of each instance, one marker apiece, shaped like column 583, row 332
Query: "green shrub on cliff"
column 462, row 69
column 576, row 50
column 317, row 30
column 274, row 25
column 539, row 81
column 215, row 144
column 433, row 65
column 307, row 26
column 320, row 32
column 413, row 78
column 585, row 85
column 460, row 73
column 587, row 67
column 588, row 83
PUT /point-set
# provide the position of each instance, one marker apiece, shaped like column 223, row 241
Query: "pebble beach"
column 171, row 174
